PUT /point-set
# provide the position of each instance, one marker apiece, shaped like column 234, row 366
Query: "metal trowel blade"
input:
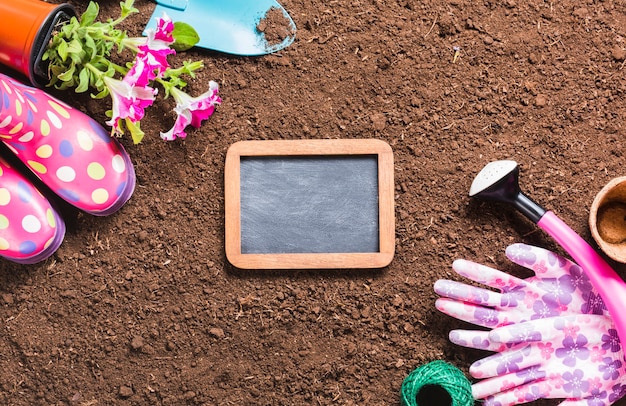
column 233, row 26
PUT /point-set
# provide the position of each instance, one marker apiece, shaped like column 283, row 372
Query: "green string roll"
column 436, row 383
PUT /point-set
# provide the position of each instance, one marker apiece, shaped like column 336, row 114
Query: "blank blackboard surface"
column 334, row 198
column 309, row 204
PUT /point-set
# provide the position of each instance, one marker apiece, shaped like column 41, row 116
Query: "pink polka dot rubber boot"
column 69, row 151
column 30, row 229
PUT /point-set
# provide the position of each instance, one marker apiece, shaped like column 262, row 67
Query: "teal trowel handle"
column 227, row 26
column 173, row 4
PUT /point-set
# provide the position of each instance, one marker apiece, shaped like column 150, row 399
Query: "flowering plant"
column 79, row 56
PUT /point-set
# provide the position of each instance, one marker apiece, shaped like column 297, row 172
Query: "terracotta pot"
column 25, row 28
column 607, row 219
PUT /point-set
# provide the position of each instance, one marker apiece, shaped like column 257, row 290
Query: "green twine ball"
column 436, row 383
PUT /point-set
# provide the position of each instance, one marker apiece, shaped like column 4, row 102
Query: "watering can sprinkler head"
column 499, row 181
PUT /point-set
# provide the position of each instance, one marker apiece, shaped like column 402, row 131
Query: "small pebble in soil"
column 618, row 53
column 379, row 121
column 7, row 298
column 136, row 343
column 533, row 58
column 217, row 332
column 540, row 100
column 126, row 391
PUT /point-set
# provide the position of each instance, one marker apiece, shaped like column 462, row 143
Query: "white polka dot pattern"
column 69, row 151
column 30, row 229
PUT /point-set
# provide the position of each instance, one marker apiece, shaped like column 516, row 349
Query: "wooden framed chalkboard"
column 309, row 204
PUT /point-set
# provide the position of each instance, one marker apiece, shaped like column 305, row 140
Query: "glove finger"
column 477, row 339
column 504, row 383
column 515, row 396
column 542, row 262
column 478, row 315
column 586, row 402
column 515, row 359
column 467, row 293
column 528, row 332
column 584, row 330
column 486, row 275
column 502, row 399
column 570, row 386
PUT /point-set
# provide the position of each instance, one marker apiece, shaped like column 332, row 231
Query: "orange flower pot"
column 25, row 28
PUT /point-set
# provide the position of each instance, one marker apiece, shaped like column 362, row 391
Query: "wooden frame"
column 287, row 148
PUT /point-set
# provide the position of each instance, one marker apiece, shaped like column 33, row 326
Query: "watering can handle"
column 607, row 282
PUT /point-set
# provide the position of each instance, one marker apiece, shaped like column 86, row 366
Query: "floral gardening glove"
column 578, row 358
column 552, row 333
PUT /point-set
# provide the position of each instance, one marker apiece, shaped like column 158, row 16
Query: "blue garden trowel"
column 231, row 26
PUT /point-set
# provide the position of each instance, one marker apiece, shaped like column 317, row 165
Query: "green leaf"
column 90, row 15
column 74, row 47
column 104, row 93
column 128, row 8
column 68, row 74
column 191, row 67
column 91, row 46
column 135, row 130
column 185, row 36
column 62, row 50
column 83, row 81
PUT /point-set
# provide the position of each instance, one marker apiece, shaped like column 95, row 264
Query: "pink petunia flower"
column 191, row 110
column 128, row 101
column 164, row 30
column 152, row 52
column 150, row 62
column 140, row 74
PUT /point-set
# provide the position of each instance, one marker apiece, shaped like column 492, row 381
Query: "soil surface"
column 142, row 307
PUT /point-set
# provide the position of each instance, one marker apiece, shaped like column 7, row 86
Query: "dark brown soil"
column 274, row 26
column 142, row 307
